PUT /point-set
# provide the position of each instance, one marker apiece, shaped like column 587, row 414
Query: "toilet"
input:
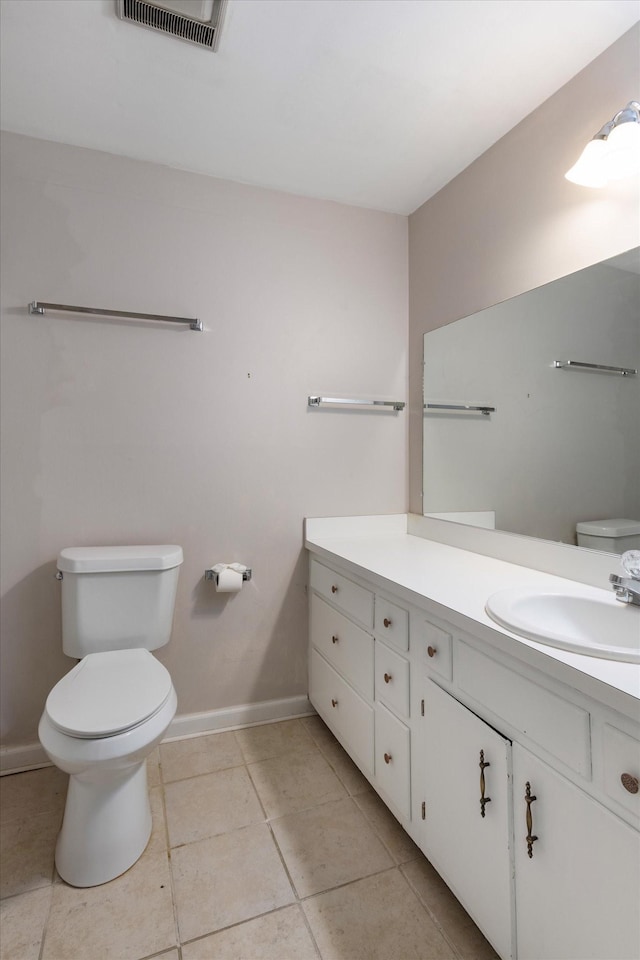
column 613, row 536
column 103, row 718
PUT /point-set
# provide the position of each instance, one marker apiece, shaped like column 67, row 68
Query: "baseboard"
column 233, row 718
column 31, row 756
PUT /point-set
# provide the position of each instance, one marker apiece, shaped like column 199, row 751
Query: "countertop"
column 455, row 584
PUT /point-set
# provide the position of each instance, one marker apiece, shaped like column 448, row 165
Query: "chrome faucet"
column 627, row 589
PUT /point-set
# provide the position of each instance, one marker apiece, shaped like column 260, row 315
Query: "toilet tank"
column 117, row 598
column 614, row 536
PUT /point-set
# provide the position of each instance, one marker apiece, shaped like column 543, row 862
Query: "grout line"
column 174, row 905
column 433, row 916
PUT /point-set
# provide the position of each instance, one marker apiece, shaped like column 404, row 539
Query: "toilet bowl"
column 101, row 734
column 105, row 716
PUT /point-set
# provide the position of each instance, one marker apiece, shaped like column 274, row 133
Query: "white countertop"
column 461, row 582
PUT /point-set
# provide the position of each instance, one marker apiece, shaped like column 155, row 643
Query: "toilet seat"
column 109, row 693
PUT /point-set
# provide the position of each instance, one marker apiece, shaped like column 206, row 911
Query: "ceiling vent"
column 197, row 21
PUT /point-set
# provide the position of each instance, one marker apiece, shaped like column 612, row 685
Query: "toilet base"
column 106, row 826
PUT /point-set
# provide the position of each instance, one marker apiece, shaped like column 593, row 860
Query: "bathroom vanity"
column 514, row 766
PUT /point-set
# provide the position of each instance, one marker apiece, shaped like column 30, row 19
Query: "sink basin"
column 593, row 623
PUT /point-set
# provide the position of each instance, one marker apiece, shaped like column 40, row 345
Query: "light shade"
column 614, row 152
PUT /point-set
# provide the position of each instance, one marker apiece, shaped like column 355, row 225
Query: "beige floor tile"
column 345, row 769
column 22, row 921
column 292, row 783
column 191, row 758
column 319, row 730
column 395, row 839
column 328, row 845
column 447, row 911
column 158, row 841
column 128, row 918
column 153, row 768
column 23, row 795
column 282, row 935
column 211, row 804
column 227, row 879
column 27, row 849
column 378, row 918
column 274, row 740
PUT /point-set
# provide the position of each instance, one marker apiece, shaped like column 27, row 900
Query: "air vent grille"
column 176, row 24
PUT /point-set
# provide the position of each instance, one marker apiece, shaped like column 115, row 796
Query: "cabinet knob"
column 334, row 589
column 431, row 651
column 334, row 703
column 334, row 639
column 387, row 758
column 387, row 622
column 388, row 678
column 629, row 782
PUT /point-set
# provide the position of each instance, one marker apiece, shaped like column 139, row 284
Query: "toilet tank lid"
column 112, row 559
column 610, row 528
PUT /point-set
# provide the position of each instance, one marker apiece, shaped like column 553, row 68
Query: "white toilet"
column 614, row 536
column 106, row 715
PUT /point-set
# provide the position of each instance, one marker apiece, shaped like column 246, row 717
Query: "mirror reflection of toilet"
column 613, row 536
column 105, row 716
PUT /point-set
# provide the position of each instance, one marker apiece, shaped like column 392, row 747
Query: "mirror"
column 562, row 445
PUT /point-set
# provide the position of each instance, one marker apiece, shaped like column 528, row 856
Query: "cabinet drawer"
column 344, row 711
column 435, row 646
column 392, row 679
column 392, row 760
column 353, row 599
column 344, row 645
column 391, row 623
column 558, row 726
column 621, row 762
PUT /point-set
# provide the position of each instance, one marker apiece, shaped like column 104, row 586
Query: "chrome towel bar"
column 578, row 365
column 39, row 307
column 395, row 404
column 471, row 408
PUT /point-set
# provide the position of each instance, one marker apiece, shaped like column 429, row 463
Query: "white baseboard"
column 31, row 756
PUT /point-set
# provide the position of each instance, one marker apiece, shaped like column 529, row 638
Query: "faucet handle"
column 631, row 563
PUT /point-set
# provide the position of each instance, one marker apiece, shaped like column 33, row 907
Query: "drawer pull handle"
column 387, row 758
column 388, row 678
column 483, row 800
column 334, row 639
column 387, row 622
column 530, row 838
column 334, row 703
column 629, row 782
column 431, row 651
column 334, row 589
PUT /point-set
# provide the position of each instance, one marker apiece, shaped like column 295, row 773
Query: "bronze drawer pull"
column 530, row 838
column 387, row 758
column 388, row 678
column 334, row 589
column 334, row 703
column 629, row 782
column 431, row 651
column 334, row 639
column 387, row 622
column 483, row 800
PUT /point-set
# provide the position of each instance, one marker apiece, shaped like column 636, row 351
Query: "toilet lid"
column 108, row 693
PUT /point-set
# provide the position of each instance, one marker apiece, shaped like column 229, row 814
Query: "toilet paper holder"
column 213, row 574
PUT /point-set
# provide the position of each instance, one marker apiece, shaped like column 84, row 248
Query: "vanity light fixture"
column 613, row 153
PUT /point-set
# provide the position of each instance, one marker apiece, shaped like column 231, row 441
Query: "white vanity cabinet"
column 448, row 727
column 577, row 870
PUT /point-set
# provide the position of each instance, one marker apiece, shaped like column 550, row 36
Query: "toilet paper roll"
column 229, row 581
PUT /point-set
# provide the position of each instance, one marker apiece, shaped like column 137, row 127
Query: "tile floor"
column 267, row 844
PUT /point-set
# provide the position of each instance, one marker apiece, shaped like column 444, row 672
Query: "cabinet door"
column 578, row 894
column 467, row 840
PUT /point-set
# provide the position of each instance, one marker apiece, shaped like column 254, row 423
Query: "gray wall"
column 119, row 433
column 511, row 222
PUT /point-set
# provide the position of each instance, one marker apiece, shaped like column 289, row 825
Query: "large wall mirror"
column 562, row 443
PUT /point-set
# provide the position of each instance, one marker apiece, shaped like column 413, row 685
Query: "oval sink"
column 594, row 624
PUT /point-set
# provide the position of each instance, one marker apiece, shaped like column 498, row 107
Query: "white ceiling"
column 378, row 103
